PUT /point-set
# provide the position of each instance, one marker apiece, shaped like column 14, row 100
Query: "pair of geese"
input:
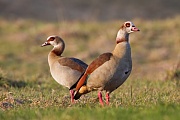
column 106, row 73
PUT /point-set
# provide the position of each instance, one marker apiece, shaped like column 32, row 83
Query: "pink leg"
column 107, row 98
column 72, row 96
column 100, row 98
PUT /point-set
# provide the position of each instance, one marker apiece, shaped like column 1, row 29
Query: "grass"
column 29, row 92
column 162, row 113
column 133, row 100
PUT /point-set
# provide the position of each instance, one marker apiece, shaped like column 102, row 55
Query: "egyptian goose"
column 65, row 70
column 109, row 70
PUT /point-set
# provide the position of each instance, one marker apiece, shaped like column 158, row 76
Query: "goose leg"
column 72, row 96
column 107, row 98
column 100, row 98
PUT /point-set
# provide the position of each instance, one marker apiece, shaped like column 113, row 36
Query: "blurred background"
column 89, row 29
column 98, row 10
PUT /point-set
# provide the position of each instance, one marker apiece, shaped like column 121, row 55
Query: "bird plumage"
column 65, row 70
column 109, row 70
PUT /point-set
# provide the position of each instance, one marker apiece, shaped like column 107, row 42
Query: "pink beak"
column 45, row 44
column 134, row 29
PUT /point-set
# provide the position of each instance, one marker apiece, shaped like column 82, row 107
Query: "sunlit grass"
column 133, row 100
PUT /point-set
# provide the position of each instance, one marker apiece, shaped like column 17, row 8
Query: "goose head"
column 57, row 42
column 123, row 34
column 54, row 41
column 129, row 27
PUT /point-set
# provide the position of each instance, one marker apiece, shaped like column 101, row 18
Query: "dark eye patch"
column 127, row 24
column 51, row 39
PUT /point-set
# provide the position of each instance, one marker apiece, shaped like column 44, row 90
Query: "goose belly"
column 121, row 74
column 65, row 75
column 99, row 78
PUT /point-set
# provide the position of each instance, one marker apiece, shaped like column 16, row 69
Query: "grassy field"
column 27, row 91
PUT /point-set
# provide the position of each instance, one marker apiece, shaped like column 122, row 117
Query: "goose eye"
column 127, row 24
column 51, row 39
